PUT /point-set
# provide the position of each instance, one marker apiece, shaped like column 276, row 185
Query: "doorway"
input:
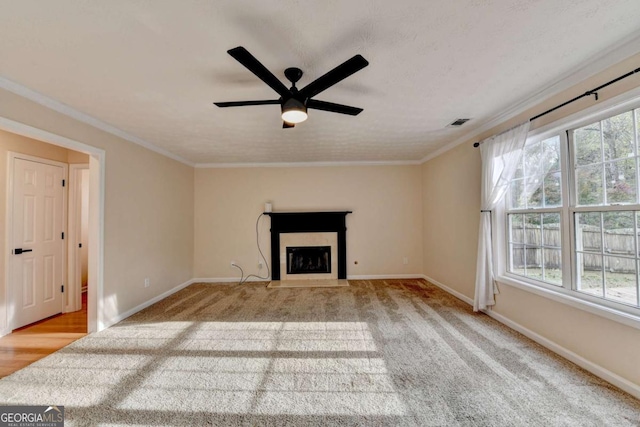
column 95, row 214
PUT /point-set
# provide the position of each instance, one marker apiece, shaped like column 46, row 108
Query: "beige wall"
column 148, row 221
column 384, row 227
column 451, row 204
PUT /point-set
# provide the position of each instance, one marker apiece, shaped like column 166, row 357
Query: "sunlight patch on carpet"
column 269, row 385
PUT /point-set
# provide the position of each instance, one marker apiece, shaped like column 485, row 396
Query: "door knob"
column 18, row 251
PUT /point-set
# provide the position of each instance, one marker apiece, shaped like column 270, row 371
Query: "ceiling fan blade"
column 287, row 125
column 243, row 56
column 243, row 103
column 339, row 73
column 334, row 108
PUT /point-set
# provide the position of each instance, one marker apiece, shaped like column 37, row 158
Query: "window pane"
column 519, row 173
column 551, row 154
column 589, row 183
column 587, row 144
column 533, row 259
column 617, row 136
column 637, row 231
column 533, row 187
column 621, row 181
column 589, row 269
column 533, row 159
column 516, row 199
column 552, row 190
column 551, row 229
column 588, row 232
column 517, row 259
column 620, row 279
column 618, row 233
column 532, row 230
column 637, row 114
column 552, row 266
column 617, row 220
column 517, row 228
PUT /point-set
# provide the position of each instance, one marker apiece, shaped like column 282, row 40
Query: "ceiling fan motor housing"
column 293, row 74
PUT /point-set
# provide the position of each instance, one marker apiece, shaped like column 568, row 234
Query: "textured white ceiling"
column 153, row 68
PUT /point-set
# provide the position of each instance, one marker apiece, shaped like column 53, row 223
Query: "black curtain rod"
column 592, row 92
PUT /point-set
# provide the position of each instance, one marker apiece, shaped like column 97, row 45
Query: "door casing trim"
column 97, row 161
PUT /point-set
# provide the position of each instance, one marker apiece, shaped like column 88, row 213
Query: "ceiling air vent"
column 458, row 122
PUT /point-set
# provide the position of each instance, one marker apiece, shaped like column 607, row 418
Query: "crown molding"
column 306, row 164
column 620, row 51
column 68, row 111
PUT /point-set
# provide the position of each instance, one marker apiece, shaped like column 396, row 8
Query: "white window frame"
column 566, row 294
column 562, row 210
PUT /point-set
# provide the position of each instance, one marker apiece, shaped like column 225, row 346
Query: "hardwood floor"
column 33, row 342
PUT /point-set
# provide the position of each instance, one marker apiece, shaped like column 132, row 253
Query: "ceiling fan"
column 293, row 102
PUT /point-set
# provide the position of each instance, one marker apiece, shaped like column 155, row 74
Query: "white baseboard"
column 146, row 304
column 384, row 276
column 595, row 369
column 453, row 292
column 4, row 332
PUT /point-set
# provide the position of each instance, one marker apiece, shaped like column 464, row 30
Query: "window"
column 573, row 211
column 607, row 208
column 535, row 206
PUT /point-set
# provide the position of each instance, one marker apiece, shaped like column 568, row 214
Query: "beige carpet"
column 376, row 353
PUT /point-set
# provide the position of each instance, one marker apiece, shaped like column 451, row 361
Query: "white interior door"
column 37, row 257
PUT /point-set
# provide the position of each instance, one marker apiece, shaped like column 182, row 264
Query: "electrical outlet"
column 147, row 282
column 260, row 264
column 405, row 260
column 233, row 263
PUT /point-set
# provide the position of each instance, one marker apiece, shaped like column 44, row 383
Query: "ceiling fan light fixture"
column 294, row 111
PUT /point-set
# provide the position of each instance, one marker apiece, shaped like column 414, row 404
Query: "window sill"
column 564, row 297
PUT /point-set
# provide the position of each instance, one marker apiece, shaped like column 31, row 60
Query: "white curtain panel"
column 501, row 155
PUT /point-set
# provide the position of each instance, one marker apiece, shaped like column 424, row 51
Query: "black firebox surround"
column 308, row 222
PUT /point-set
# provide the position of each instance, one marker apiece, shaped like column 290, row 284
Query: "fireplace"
column 308, row 259
column 309, row 256
column 309, row 231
